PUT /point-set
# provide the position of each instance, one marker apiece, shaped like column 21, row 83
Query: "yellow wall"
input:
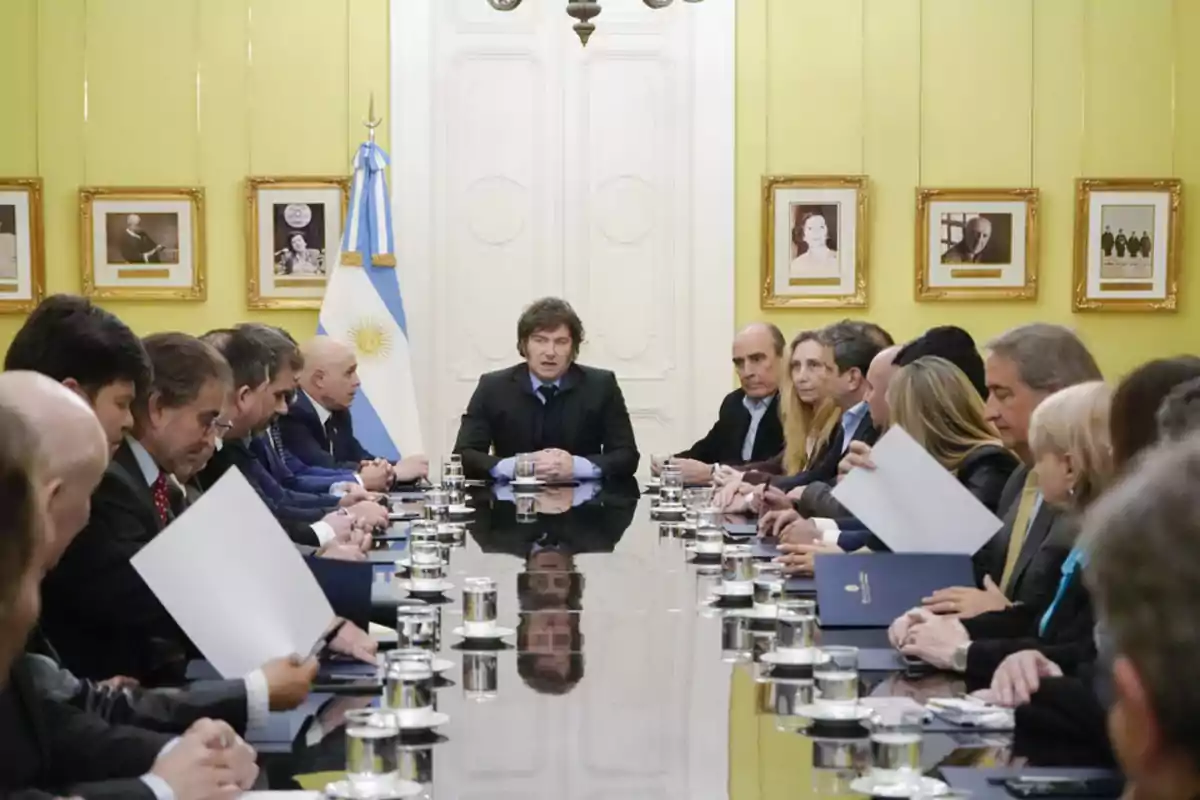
column 972, row 93
column 183, row 92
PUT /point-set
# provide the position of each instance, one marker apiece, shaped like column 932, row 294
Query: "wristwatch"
column 959, row 662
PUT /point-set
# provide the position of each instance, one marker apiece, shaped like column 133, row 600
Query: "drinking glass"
column 670, row 491
column 710, row 539
column 795, row 625
column 525, row 470
column 694, row 500
column 736, row 569
column 408, row 685
column 479, row 605
column 417, row 627
column 371, row 739
column 835, row 676
column 896, row 746
column 768, row 586
column 425, row 551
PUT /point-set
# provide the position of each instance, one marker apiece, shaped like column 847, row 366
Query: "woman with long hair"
column 1072, row 447
column 935, row 403
column 808, row 419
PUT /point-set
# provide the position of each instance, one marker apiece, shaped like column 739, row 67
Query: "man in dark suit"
column 318, row 428
column 748, row 426
column 570, row 417
column 972, row 247
column 1024, row 366
column 1106, row 241
column 263, row 379
column 136, row 245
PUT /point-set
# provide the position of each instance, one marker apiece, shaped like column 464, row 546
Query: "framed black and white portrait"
column 1127, row 246
column 143, row 243
column 977, row 244
column 293, row 231
column 22, row 263
column 814, row 241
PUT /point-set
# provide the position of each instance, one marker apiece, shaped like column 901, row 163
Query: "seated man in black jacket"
column 1071, row 445
column 74, row 456
column 48, row 748
column 571, row 418
column 748, row 426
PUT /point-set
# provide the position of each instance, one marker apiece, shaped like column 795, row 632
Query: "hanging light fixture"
column 583, row 11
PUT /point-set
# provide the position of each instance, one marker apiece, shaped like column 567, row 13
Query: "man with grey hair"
column 1021, row 563
column 136, row 245
column 1143, row 569
column 748, row 426
column 1179, row 414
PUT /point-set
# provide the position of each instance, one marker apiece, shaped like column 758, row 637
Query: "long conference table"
column 623, row 679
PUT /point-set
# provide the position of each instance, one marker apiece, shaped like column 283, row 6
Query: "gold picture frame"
column 1127, row 272
column 976, row 244
column 22, row 245
column 290, row 209
column 830, row 271
column 143, row 243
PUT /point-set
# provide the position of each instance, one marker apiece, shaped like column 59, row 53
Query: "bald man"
column 748, row 426
column 318, row 429
column 75, row 452
column 970, row 250
column 136, row 245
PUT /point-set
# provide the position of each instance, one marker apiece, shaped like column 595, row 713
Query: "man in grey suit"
column 1022, row 562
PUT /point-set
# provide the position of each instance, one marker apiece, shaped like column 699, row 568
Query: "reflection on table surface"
column 620, row 681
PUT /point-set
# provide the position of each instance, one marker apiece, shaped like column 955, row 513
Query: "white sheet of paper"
column 234, row 582
column 912, row 503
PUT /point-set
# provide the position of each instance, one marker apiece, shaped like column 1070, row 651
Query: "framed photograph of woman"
column 1127, row 246
column 142, row 243
column 22, row 263
column 977, row 244
column 814, row 241
column 293, row 227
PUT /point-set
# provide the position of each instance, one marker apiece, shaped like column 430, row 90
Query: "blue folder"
column 871, row 590
column 764, row 550
column 976, row 781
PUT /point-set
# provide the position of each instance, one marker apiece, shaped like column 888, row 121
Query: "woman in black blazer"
column 1071, row 444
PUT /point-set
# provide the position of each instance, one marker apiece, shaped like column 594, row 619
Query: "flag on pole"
column 363, row 307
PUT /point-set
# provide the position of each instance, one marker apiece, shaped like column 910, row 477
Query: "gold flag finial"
column 372, row 122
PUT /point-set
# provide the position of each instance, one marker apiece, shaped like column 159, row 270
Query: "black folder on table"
column 740, row 530
column 987, row 783
column 871, row 590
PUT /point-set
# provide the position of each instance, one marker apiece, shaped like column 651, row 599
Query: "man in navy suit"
column 318, row 429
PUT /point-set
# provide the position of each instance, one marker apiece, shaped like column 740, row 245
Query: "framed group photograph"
column 976, row 244
column 143, row 243
column 22, row 262
column 293, row 226
column 814, row 241
column 1127, row 244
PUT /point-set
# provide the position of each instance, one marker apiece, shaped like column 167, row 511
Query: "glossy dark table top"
column 621, row 681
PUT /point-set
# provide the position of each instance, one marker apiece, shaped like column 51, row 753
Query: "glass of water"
column 417, row 627
column 896, row 746
column 768, row 586
column 525, row 470
column 795, row 626
column 408, row 685
column 371, row 739
column 835, row 677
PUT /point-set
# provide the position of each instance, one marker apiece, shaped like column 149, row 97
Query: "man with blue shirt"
column 570, row 418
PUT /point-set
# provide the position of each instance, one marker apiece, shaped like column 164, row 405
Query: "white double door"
column 524, row 165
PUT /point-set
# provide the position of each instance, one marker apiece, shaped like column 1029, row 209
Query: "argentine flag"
column 364, row 309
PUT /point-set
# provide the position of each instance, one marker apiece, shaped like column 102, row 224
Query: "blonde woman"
column 935, row 403
column 1072, row 450
column 808, row 419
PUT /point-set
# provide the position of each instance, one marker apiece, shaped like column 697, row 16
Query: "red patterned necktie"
column 162, row 500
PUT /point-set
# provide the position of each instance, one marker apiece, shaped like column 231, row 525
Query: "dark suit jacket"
column 825, row 463
column 235, row 454
column 162, row 710
column 504, row 418
column 1047, row 543
column 50, row 749
column 274, row 464
column 96, row 608
column 305, row 436
column 134, row 249
column 723, row 443
column 1068, row 639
